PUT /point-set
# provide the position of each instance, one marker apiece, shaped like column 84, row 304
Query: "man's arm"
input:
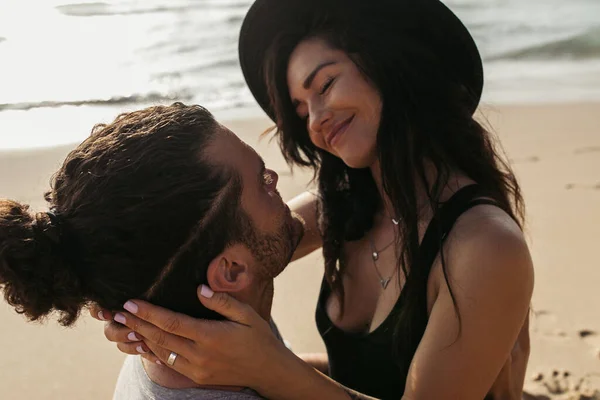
column 305, row 205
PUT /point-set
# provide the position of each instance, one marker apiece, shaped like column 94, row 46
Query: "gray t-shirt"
column 134, row 384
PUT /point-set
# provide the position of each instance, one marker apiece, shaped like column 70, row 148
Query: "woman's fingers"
column 181, row 364
column 118, row 333
column 167, row 320
column 186, row 326
column 163, row 354
column 127, row 341
column 151, row 357
column 226, row 305
column 133, row 348
column 100, row 313
column 153, row 334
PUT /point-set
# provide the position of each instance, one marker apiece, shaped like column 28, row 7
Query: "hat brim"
column 442, row 31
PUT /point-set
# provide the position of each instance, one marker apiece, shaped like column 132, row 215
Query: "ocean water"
column 65, row 66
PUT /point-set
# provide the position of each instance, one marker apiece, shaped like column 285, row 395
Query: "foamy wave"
column 187, row 50
column 218, row 42
column 105, row 9
column 585, row 45
column 119, row 100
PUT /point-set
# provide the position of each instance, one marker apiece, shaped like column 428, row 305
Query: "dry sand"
column 555, row 150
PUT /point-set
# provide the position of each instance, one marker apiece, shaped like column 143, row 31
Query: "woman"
column 378, row 98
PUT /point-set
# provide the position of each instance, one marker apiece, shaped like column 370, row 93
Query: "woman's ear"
column 228, row 272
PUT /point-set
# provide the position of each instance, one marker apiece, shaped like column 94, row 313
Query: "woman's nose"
column 318, row 117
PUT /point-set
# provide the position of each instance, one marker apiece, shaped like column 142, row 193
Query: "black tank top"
column 365, row 362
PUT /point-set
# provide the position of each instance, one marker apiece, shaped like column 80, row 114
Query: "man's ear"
column 229, row 272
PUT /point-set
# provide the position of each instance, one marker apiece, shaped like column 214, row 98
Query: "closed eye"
column 322, row 91
column 326, row 85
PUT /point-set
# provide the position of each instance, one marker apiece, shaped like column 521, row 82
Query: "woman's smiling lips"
column 337, row 131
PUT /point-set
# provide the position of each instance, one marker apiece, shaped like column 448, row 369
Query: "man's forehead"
column 230, row 149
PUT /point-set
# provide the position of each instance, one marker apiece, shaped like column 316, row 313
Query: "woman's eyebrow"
column 311, row 77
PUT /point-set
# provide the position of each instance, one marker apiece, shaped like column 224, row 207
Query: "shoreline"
column 226, row 116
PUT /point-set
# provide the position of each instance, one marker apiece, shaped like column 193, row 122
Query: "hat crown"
column 429, row 22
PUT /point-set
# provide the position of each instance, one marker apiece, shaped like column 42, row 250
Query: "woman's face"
column 342, row 109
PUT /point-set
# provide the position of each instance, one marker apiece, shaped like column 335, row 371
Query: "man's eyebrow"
column 311, row 77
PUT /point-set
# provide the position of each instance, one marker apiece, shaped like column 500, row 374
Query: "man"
column 245, row 268
column 150, row 206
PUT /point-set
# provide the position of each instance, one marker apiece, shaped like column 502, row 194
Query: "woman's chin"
column 356, row 164
column 357, row 161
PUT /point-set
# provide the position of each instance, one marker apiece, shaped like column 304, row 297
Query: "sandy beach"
column 555, row 150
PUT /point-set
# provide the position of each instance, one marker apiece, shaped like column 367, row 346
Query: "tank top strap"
column 445, row 218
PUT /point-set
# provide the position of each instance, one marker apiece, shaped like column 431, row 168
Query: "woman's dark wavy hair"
column 138, row 211
column 425, row 116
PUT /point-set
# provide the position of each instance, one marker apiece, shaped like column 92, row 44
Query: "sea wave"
column 117, row 100
column 129, row 52
column 105, row 9
column 201, row 44
column 583, row 45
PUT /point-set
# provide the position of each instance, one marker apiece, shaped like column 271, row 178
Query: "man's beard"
column 273, row 252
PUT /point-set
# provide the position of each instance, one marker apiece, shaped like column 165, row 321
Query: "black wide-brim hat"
column 428, row 21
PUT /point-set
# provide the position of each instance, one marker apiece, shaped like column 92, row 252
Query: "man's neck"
column 259, row 297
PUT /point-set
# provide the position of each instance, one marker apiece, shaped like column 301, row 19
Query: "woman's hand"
column 240, row 352
column 127, row 341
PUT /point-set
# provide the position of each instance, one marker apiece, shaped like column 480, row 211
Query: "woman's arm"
column 318, row 361
column 491, row 276
column 241, row 351
column 304, row 382
column 305, row 205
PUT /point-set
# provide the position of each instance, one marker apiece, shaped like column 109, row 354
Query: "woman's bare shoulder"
column 487, row 243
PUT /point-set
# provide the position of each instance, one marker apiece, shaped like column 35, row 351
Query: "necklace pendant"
column 385, row 283
column 375, row 256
